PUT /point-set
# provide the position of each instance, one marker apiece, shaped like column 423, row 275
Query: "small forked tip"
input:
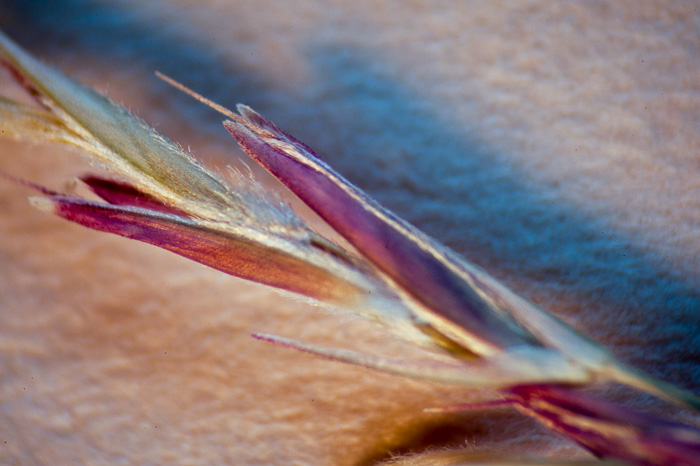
column 43, row 204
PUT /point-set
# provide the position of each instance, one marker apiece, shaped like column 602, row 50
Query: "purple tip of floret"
column 607, row 429
column 126, row 194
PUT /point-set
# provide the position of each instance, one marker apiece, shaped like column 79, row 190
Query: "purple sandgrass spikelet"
column 408, row 257
column 395, row 274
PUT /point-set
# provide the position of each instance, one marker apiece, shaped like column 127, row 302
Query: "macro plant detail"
column 483, row 334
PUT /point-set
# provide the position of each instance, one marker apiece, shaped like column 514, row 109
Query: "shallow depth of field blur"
column 554, row 145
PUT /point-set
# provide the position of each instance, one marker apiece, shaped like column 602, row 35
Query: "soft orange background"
column 556, row 145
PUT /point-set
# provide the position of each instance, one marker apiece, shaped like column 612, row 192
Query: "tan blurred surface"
column 556, row 146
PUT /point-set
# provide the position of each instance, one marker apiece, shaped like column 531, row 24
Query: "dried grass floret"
column 395, row 274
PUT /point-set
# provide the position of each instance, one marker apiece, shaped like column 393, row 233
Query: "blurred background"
column 554, row 145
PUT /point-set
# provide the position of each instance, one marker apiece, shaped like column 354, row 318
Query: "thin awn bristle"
column 219, row 108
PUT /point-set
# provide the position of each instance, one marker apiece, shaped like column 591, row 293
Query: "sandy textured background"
column 554, row 145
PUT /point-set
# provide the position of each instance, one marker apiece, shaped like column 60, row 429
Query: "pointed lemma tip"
column 268, row 337
column 244, row 109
